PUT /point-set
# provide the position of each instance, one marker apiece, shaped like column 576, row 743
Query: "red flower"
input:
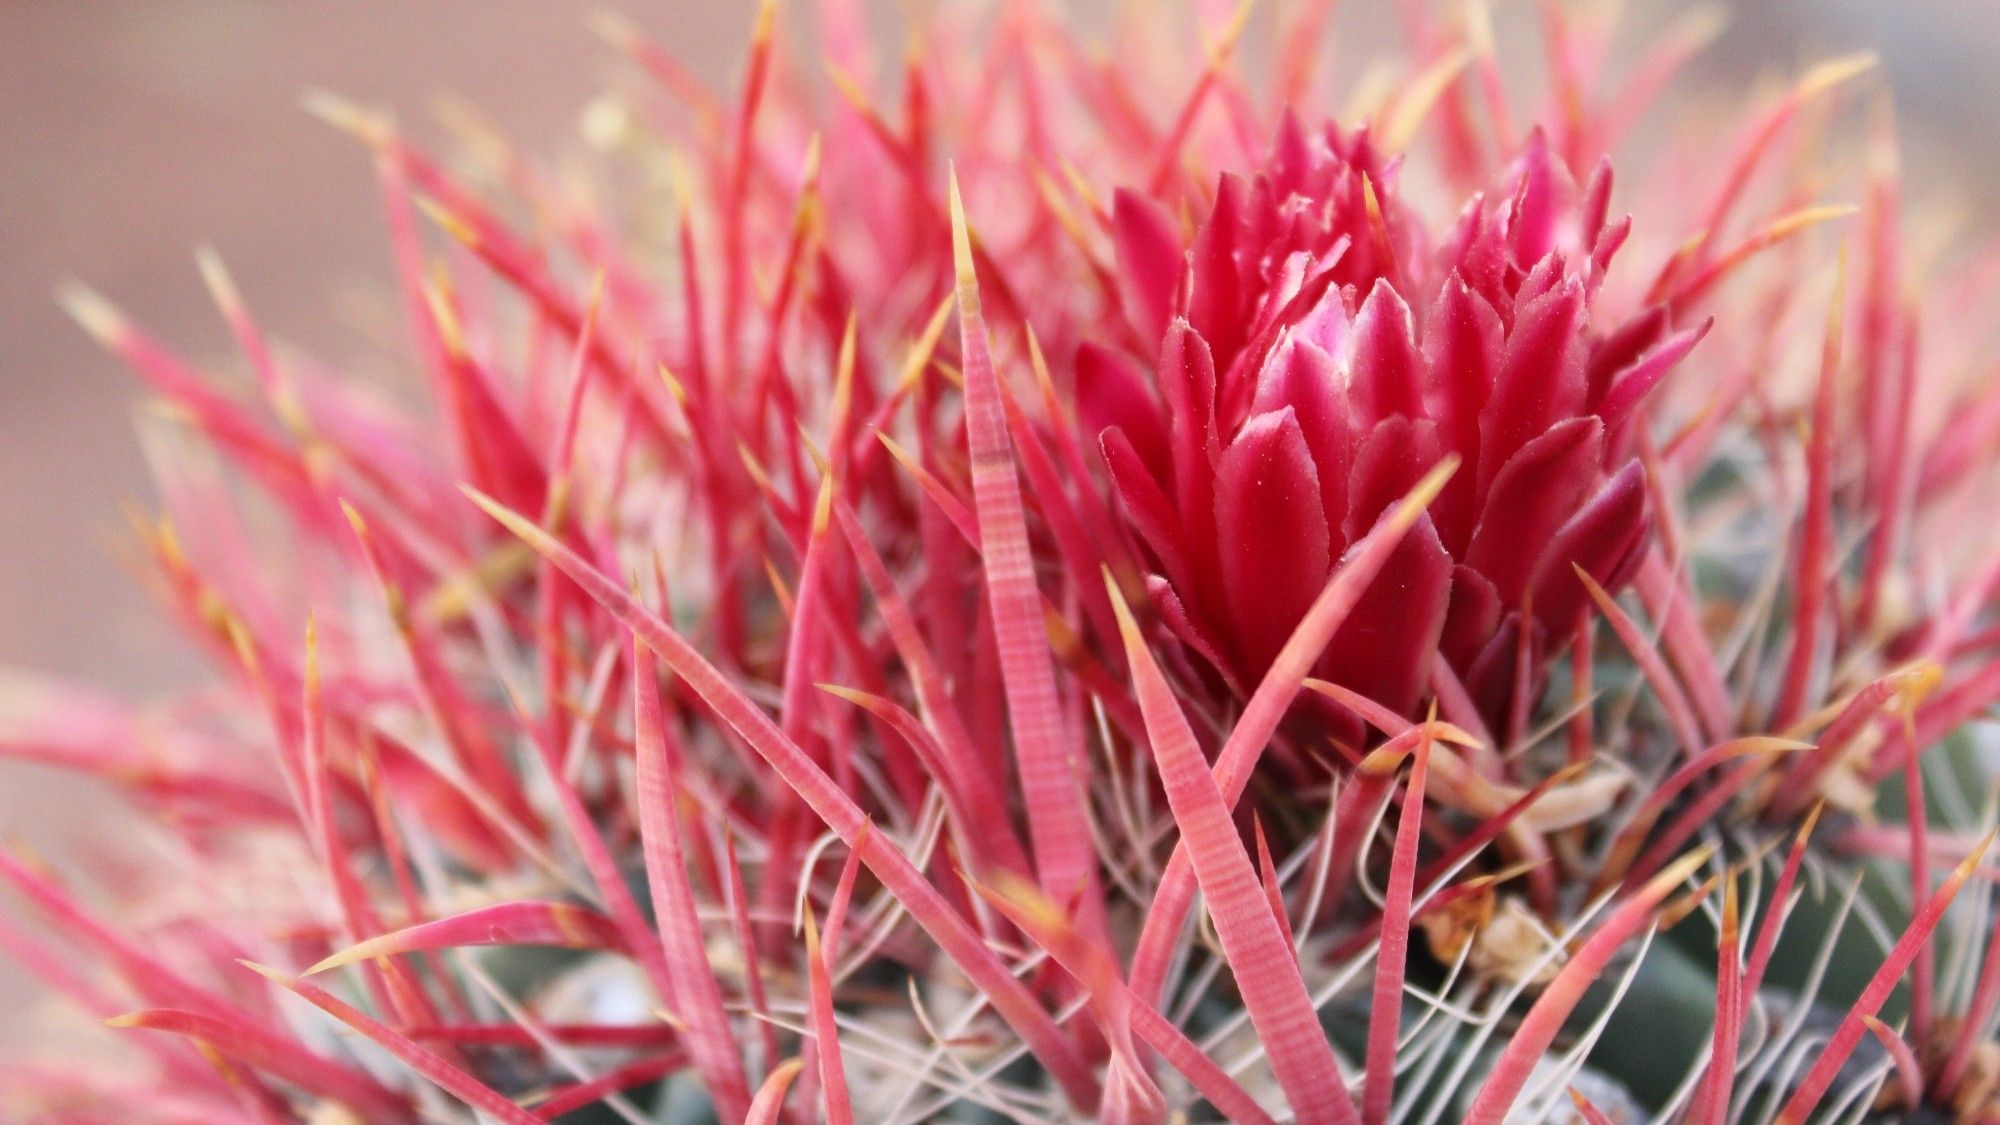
column 1318, row 355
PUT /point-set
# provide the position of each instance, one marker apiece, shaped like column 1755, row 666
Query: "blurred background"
column 132, row 131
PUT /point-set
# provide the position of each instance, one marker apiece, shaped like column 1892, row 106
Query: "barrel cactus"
column 1072, row 579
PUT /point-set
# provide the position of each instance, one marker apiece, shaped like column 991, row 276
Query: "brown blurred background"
column 132, row 131
column 130, row 134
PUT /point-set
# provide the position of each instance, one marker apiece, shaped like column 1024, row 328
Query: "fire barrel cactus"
column 1059, row 581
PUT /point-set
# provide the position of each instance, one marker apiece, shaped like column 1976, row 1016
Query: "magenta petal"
column 1147, row 507
column 1326, row 323
column 1315, row 291
column 1596, row 201
column 1476, row 253
column 1614, row 235
column 1384, row 648
column 1541, row 380
column 1303, row 377
column 1271, row 535
column 1623, row 347
column 1532, row 496
column 1600, row 538
column 1543, row 199
column 1173, row 612
column 1112, row 391
column 1292, row 157
column 1633, row 383
column 1150, row 261
column 1385, row 373
column 1473, row 615
column 1392, row 458
column 1462, row 341
column 1215, row 298
column 1544, row 277
column 1489, row 679
column 1187, row 378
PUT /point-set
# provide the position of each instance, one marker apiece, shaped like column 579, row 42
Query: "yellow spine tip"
column 354, row 519
column 845, row 85
column 809, row 167
column 246, row 651
column 450, row 334
column 823, row 507
column 1972, row 860
column 265, row 971
column 1427, row 489
column 450, row 223
column 1834, row 71
column 838, row 691
column 1128, row 626
column 961, row 248
column 215, row 275
column 96, row 315
column 1479, row 27
column 674, row 386
column 326, row 964
column 348, row 116
column 902, row 456
column 312, row 654
column 614, row 28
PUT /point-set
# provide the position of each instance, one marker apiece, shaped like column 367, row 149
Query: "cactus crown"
column 1035, row 585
